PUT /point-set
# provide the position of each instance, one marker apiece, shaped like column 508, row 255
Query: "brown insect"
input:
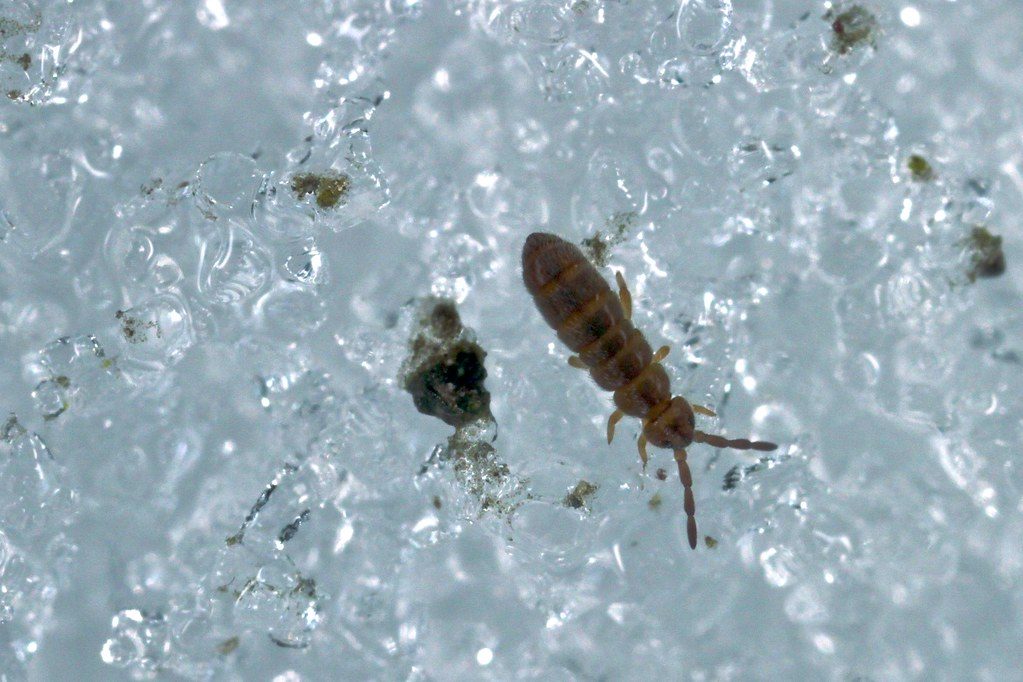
column 595, row 322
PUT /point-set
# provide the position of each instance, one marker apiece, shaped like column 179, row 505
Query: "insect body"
column 595, row 322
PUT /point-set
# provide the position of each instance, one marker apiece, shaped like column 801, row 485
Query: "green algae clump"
column 330, row 189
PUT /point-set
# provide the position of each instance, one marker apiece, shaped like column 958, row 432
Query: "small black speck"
column 732, row 478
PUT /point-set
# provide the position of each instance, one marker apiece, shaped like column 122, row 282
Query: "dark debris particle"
column 288, row 532
column 598, row 247
column 919, row 168
column 437, row 504
column 305, row 586
column 330, row 188
column 11, row 27
column 134, row 329
column 732, row 478
column 24, row 61
column 851, row 28
column 11, row 429
column 304, row 184
column 152, row 186
column 228, row 646
column 738, row 473
column 978, row 186
column 482, row 474
column 444, row 320
column 285, row 644
column 655, row 502
column 985, row 254
column 261, row 501
column 14, row 95
column 983, row 338
column 477, row 460
column 662, row 474
column 579, row 496
column 449, row 384
column 447, row 374
column 1007, row 356
column 710, row 542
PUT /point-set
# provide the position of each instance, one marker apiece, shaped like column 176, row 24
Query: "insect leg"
column 624, row 295
column 613, row 420
column 661, row 353
column 641, row 444
column 690, row 504
column 700, row 409
column 576, row 362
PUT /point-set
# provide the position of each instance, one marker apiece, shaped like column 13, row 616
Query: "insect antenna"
column 690, row 504
column 737, row 443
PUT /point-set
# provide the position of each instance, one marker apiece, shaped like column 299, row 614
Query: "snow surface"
column 223, row 228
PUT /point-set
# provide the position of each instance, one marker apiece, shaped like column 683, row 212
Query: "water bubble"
column 758, row 164
column 614, row 185
column 226, row 184
column 51, row 397
column 537, row 22
column 40, row 44
column 293, row 311
column 304, row 263
column 548, row 534
column 778, row 564
column 140, row 640
column 575, row 73
column 335, row 176
column 277, row 600
column 130, row 251
column 233, row 266
column 703, row 25
column 33, row 497
column 27, row 593
column 806, row 605
column 6, row 224
column 531, row 137
column 41, row 200
column 275, row 211
column 81, row 360
column 157, row 331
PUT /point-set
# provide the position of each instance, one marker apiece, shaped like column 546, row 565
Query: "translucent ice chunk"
column 140, row 640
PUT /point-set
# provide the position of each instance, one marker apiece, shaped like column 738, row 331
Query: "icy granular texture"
column 233, row 445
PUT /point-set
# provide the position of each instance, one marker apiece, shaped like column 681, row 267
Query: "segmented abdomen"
column 588, row 317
